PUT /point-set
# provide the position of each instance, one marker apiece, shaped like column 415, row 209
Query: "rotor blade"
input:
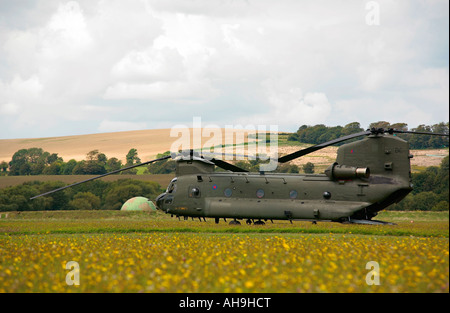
column 308, row 150
column 100, row 176
column 414, row 132
column 227, row 166
column 209, row 156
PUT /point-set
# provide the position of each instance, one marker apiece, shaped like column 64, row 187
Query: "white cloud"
column 149, row 65
column 66, row 34
column 291, row 108
column 107, row 126
column 9, row 108
column 181, row 92
column 284, row 62
column 19, row 95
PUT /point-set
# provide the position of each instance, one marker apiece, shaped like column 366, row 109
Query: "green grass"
column 422, row 224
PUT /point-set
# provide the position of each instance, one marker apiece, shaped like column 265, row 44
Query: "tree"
column 113, row 164
column 123, row 189
column 132, row 157
column 58, row 200
column 3, row 168
column 288, row 168
column 163, row 167
column 321, row 133
column 94, row 164
column 120, row 194
column 352, row 128
column 85, row 201
column 431, row 190
column 308, row 168
column 53, row 169
column 67, row 168
column 31, row 161
column 22, row 160
column 380, row 124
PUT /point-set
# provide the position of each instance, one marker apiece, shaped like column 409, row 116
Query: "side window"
column 260, row 193
column 194, row 192
column 293, row 194
column 228, row 192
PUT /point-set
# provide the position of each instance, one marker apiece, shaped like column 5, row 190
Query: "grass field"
column 141, row 252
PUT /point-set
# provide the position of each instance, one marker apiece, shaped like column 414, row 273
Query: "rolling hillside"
column 147, row 142
column 151, row 142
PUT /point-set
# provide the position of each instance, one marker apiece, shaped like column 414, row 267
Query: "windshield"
column 172, row 186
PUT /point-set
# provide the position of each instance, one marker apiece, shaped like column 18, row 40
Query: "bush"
column 308, row 168
column 85, row 201
column 440, row 206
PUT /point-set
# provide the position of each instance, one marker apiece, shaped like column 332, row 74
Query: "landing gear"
column 259, row 222
column 235, row 222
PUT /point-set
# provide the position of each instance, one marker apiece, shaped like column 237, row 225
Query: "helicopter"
column 367, row 176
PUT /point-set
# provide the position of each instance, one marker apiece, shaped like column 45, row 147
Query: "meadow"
column 139, row 252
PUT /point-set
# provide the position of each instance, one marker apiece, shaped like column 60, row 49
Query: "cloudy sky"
column 90, row 66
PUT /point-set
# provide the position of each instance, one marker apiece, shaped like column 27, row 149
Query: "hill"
column 147, row 142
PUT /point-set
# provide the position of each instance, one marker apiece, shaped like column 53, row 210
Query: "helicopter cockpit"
column 172, row 188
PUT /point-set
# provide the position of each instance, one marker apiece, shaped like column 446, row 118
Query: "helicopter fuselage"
column 378, row 175
column 278, row 196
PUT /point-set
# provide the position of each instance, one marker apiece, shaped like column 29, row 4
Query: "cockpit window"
column 172, row 188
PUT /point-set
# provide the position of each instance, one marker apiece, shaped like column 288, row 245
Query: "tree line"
column 320, row 133
column 431, row 190
column 93, row 195
column 36, row 161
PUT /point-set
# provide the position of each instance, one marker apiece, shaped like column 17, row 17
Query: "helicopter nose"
column 159, row 201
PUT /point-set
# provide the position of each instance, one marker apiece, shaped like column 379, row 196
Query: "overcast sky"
column 90, row 66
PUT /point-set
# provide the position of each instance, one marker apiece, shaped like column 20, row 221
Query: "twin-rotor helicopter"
column 368, row 175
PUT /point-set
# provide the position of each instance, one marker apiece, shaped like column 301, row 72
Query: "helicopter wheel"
column 259, row 223
column 249, row 222
column 234, row 222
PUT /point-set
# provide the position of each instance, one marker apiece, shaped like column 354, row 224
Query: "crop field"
column 113, row 251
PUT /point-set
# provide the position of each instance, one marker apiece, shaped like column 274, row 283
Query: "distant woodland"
column 321, row 133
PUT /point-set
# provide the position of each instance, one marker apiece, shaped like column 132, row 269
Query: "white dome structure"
column 138, row 204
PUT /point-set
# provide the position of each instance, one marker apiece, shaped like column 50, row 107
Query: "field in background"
column 153, row 141
column 147, row 142
column 151, row 252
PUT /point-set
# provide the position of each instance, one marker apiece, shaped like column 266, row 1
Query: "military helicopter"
column 367, row 176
